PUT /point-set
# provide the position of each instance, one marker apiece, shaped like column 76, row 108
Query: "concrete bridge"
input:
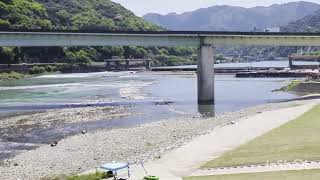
column 205, row 41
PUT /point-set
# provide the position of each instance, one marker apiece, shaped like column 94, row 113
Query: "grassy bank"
column 283, row 175
column 35, row 70
column 95, row 176
column 290, row 86
column 296, row 140
column 10, row 76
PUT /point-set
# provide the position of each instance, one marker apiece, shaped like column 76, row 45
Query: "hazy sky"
column 141, row 7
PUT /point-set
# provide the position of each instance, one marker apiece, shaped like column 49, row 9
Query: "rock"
column 159, row 103
column 55, row 143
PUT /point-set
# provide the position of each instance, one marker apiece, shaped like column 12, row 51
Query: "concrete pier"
column 290, row 62
column 206, row 75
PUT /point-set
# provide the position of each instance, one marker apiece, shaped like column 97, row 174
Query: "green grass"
column 96, row 176
column 283, row 175
column 290, row 86
column 296, row 140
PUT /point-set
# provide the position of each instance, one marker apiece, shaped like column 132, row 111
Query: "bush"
column 51, row 68
column 37, row 70
column 10, row 76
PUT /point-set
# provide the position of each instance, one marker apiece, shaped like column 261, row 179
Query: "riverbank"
column 29, row 130
column 301, row 87
column 10, row 76
column 80, row 153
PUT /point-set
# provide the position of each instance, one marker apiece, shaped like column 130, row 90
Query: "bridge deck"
column 156, row 38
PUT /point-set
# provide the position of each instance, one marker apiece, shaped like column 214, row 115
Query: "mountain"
column 310, row 23
column 232, row 18
column 69, row 14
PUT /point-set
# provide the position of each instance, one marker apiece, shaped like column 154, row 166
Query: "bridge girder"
column 37, row 39
column 263, row 40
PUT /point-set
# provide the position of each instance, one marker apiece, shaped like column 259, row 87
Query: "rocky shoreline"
column 83, row 152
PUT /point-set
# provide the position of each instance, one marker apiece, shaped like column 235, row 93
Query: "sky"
column 142, row 7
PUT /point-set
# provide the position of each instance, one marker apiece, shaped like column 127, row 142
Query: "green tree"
column 71, row 58
column 82, row 58
column 140, row 52
column 108, row 52
column 4, row 24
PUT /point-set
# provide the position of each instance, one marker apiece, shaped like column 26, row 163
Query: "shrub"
column 51, row 68
column 10, row 76
column 37, row 70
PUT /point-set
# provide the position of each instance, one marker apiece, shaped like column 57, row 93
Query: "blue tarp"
column 114, row 166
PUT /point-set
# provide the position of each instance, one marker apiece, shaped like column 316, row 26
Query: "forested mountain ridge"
column 310, row 23
column 233, row 18
column 70, row 14
column 16, row 14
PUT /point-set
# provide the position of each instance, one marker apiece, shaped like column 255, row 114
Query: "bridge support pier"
column 127, row 65
column 205, row 74
column 148, row 64
column 290, row 62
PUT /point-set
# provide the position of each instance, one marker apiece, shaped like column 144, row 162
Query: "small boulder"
column 55, row 143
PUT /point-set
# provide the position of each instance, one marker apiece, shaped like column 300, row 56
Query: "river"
column 154, row 95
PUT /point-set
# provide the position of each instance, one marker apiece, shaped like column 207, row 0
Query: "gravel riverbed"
column 84, row 152
column 62, row 116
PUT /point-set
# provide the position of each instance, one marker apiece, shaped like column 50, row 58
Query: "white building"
column 272, row 29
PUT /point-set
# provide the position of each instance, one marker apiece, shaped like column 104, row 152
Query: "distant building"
column 269, row 29
column 272, row 29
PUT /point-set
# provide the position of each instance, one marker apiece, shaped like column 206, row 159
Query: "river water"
column 155, row 95
column 139, row 89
